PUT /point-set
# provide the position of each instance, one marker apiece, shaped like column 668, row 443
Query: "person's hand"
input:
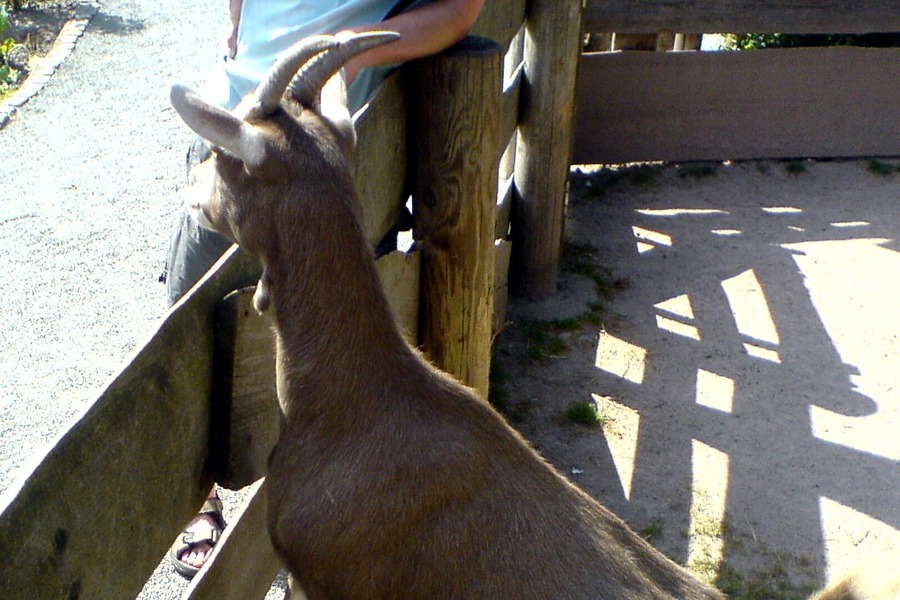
column 231, row 41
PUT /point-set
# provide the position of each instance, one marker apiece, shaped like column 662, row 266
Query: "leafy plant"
column 586, row 413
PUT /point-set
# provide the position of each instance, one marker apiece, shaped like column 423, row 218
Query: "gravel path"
column 90, row 168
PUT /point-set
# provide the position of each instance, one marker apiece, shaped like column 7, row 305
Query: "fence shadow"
column 745, row 376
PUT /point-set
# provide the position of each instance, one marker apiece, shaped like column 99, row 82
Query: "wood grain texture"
column 740, row 16
column 552, row 46
column 76, row 525
column 456, row 110
column 803, row 102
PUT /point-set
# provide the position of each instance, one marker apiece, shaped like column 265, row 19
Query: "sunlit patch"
column 844, row 527
column 866, row 434
column 680, row 212
column 621, row 433
column 854, row 287
column 848, row 224
column 782, row 210
column 715, row 391
column 649, row 239
column 620, row 358
column 762, row 353
column 679, row 306
column 752, row 315
column 677, row 327
column 708, row 496
column 727, row 232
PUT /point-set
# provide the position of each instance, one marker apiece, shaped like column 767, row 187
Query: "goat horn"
column 270, row 91
column 308, row 82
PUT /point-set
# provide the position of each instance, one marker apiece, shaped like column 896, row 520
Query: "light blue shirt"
column 269, row 27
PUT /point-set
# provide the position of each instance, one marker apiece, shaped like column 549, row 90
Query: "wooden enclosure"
column 684, row 106
column 482, row 137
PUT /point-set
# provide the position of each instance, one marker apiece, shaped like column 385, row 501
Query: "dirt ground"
column 735, row 329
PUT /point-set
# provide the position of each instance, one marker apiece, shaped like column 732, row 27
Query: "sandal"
column 189, row 539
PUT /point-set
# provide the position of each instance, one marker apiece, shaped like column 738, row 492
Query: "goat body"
column 389, row 479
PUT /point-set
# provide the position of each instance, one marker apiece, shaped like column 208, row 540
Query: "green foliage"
column 795, row 167
column 754, row 41
column 882, row 168
column 586, row 413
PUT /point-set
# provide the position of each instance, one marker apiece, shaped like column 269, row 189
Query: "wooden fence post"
column 454, row 104
column 546, row 121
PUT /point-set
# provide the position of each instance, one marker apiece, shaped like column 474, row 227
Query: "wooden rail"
column 741, row 16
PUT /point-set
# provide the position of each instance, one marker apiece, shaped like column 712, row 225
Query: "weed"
column 542, row 340
column 795, row 167
column 498, row 396
column 882, row 168
column 586, row 413
column 698, row 170
column 652, row 531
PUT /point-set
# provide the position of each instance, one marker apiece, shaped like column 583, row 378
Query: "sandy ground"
column 745, row 365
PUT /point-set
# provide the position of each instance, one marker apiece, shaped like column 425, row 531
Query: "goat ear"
column 334, row 108
column 219, row 127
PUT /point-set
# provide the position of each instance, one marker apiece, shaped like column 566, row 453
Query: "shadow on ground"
column 745, row 373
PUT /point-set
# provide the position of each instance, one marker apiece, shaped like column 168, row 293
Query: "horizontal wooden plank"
column 379, row 163
column 740, row 16
column 77, row 525
column 244, row 564
column 816, row 102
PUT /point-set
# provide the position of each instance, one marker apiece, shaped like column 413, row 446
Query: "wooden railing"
column 196, row 403
column 682, row 106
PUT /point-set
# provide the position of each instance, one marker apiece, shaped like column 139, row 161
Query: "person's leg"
column 192, row 249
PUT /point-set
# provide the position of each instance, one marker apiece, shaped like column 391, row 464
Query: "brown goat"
column 390, row 479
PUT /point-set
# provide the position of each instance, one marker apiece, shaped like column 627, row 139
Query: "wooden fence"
column 196, row 403
column 481, row 137
column 682, row 106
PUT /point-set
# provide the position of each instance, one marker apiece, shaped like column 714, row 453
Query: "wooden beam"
column 552, row 47
column 500, row 20
column 379, row 166
column 741, row 16
column 77, row 524
column 812, row 102
column 455, row 105
column 244, row 564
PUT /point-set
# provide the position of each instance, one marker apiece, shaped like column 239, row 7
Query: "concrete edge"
column 46, row 67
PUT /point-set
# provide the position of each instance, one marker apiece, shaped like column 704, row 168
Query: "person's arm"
column 423, row 31
column 234, row 19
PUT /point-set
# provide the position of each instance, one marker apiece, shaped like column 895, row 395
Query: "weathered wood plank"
column 820, row 102
column 552, row 47
column 502, row 251
column 500, row 20
column 399, row 273
column 245, row 563
column 76, row 526
column 739, row 16
column 379, row 164
column 456, row 103
column 246, row 418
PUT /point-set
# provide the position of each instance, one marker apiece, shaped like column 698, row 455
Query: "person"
column 259, row 30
